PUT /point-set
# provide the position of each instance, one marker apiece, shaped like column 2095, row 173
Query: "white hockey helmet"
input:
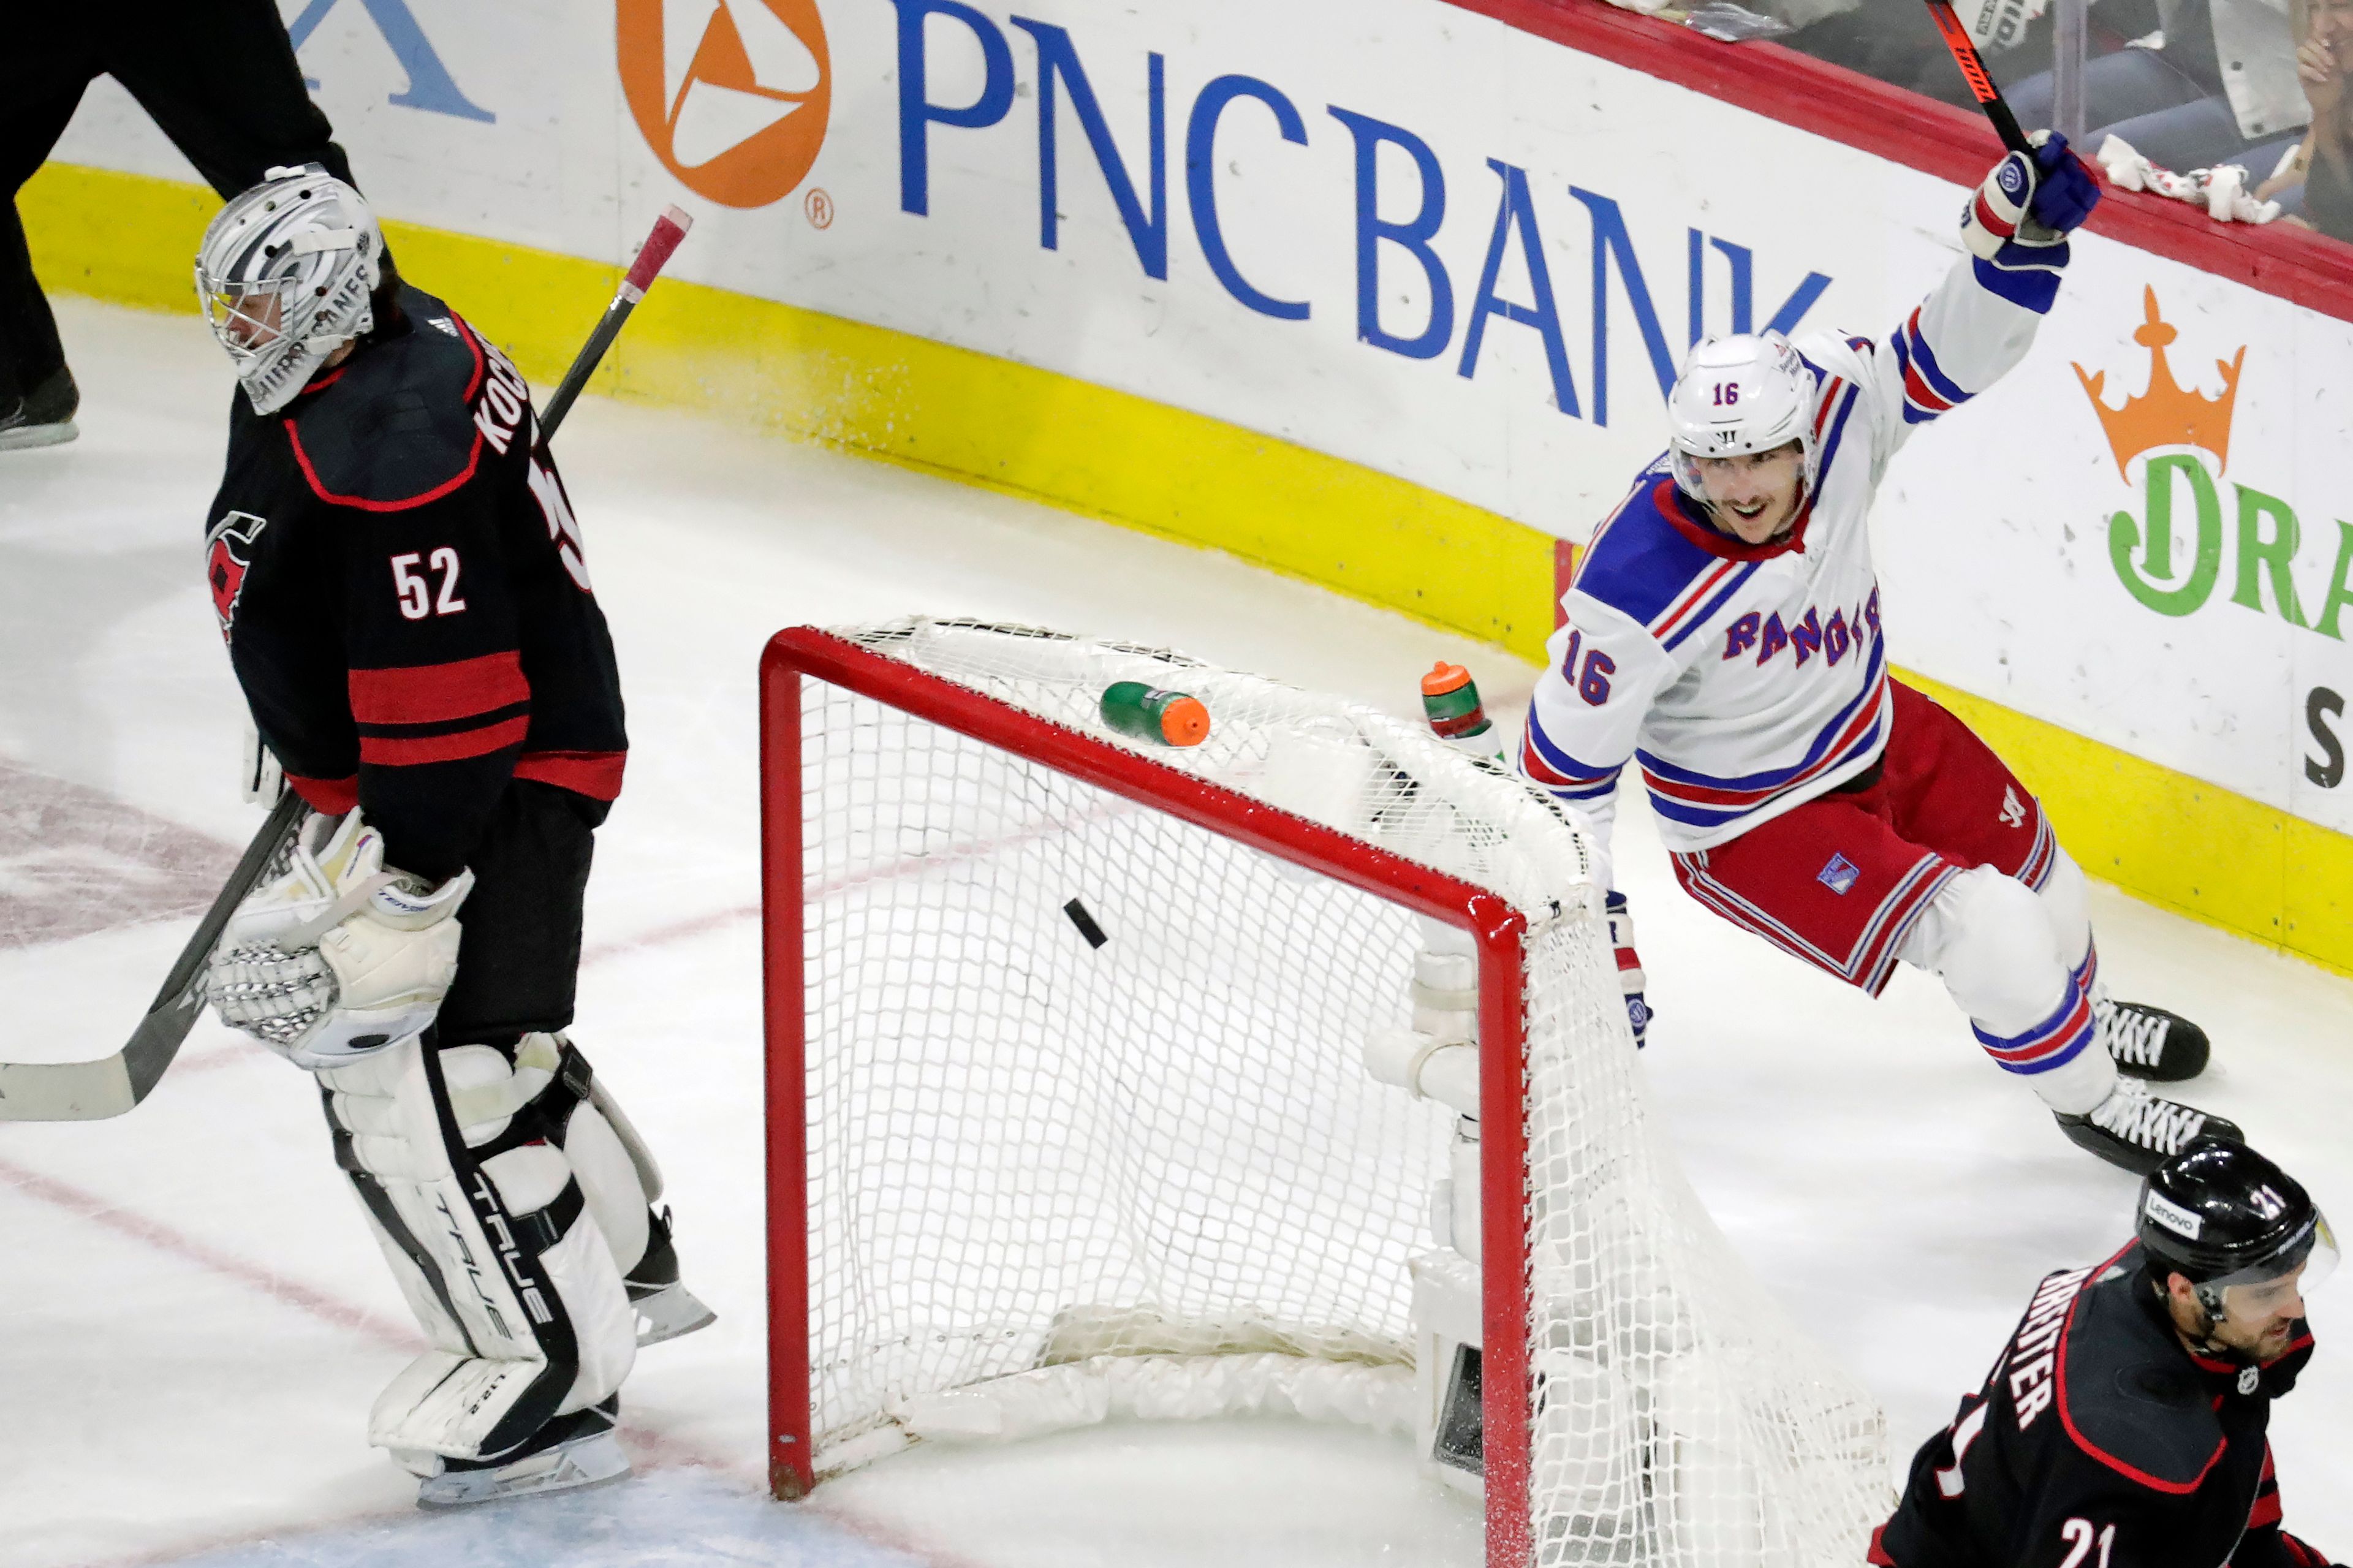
column 285, row 273
column 1747, row 393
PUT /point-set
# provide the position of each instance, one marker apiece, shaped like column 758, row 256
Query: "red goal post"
column 874, row 768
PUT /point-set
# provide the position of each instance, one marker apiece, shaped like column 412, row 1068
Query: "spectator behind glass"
column 2216, row 84
column 2323, row 167
column 1896, row 41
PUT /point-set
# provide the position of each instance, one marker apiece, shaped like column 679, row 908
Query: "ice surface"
column 193, row 1321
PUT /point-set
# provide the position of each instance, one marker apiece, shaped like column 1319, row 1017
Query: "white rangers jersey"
column 1746, row 679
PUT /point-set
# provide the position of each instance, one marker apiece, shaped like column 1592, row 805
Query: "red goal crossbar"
column 804, row 653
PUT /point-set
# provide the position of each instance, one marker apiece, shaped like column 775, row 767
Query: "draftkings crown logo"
column 2166, row 415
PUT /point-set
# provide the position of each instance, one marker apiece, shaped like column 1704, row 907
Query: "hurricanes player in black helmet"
column 401, row 584
column 2123, row 1426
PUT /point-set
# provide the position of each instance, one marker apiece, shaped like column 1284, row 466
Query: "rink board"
column 1330, row 352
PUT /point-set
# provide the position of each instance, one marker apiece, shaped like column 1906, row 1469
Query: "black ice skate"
column 569, row 1452
column 2151, row 1043
column 43, row 416
column 2139, row 1131
column 665, row 1307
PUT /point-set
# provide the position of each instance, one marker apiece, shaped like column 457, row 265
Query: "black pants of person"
column 518, row 950
column 217, row 76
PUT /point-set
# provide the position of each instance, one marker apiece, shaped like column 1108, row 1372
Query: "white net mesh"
column 1085, row 1084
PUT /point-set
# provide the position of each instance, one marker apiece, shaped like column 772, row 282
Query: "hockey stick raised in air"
column 91, row 1091
column 1981, row 81
column 669, row 229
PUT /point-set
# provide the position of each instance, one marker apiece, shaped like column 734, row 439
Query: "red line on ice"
column 659, row 1449
column 164, row 1238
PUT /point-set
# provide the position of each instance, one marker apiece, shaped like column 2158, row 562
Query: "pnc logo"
column 732, row 95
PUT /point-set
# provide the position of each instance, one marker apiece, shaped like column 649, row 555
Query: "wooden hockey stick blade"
column 1964, row 51
column 93, row 1090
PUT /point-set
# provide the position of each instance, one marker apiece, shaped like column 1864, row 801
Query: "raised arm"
column 1976, row 325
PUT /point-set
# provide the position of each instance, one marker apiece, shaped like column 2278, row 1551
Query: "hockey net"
column 1069, row 1116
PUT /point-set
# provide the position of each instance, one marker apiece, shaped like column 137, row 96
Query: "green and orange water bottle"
column 1148, row 713
column 1450, row 699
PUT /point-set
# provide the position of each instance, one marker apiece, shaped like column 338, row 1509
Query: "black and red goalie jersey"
column 401, row 584
column 2099, row 1441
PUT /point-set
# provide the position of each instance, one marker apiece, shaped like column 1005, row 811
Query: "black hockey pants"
column 518, row 950
column 217, row 76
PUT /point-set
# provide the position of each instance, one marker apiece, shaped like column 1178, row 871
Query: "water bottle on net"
column 1148, row 713
column 1450, row 699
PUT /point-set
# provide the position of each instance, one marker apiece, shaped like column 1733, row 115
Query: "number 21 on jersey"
column 2080, row 1535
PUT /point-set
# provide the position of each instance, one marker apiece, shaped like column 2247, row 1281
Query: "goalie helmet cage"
column 1063, row 1076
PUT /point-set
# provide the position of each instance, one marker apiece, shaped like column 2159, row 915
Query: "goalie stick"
column 108, row 1085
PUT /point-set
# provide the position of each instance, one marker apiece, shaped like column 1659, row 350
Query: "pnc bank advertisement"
column 1416, row 239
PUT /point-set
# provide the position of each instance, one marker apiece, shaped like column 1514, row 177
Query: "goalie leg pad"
column 552, row 1095
column 489, row 1231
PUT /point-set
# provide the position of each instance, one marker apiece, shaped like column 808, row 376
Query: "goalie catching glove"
column 340, row 955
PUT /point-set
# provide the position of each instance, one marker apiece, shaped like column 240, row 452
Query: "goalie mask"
column 1749, row 392
column 285, row 273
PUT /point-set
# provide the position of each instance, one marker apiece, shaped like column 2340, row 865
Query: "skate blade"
column 593, row 1462
column 669, row 1314
column 26, row 437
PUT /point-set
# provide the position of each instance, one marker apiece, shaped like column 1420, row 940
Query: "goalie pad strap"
column 542, row 1228
column 533, row 1115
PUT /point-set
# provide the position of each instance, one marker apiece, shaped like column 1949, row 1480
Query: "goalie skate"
column 2139, row 1131
column 2150, row 1043
column 570, row 1452
column 666, row 1309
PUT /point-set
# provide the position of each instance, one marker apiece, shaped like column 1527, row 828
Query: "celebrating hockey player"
column 400, row 583
column 1724, row 630
column 2123, row 1425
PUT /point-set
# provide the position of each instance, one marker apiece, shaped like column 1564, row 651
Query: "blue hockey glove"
column 2016, row 223
column 2065, row 189
column 2032, row 202
column 1630, row 968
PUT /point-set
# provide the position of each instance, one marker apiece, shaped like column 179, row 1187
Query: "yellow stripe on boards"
column 2175, row 840
column 2179, row 842
column 893, row 395
column 124, row 237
